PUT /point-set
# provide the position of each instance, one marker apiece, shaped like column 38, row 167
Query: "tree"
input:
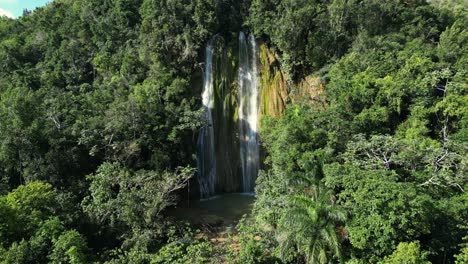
column 32, row 229
column 383, row 210
column 462, row 257
column 310, row 226
column 69, row 247
column 131, row 202
column 407, row 253
column 32, row 204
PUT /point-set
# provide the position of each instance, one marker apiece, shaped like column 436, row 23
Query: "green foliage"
column 183, row 245
column 83, row 83
column 392, row 133
column 293, row 206
column 31, row 205
column 309, row 227
column 409, row 253
column 69, row 247
column 256, row 241
column 173, row 31
column 310, row 34
column 306, row 32
column 32, row 234
column 462, row 257
column 86, row 82
column 177, row 252
column 131, row 203
column 384, row 210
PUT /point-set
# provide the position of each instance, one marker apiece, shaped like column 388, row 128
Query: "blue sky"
column 14, row 8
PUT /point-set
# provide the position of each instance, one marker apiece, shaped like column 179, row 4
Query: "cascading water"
column 248, row 111
column 206, row 138
column 228, row 151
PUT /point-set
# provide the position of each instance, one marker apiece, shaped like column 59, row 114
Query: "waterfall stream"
column 248, row 110
column 206, row 138
column 228, row 159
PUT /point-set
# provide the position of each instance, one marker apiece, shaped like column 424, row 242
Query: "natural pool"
column 220, row 210
column 231, row 205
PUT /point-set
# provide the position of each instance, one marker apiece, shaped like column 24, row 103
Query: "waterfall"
column 248, row 111
column 228, row 151
column 206, row 138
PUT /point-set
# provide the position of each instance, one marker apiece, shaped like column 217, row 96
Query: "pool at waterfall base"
column 220, row 211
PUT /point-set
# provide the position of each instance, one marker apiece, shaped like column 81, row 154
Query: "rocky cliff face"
column 274, row 90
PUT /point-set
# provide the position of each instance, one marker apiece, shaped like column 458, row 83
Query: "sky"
column 14, row 8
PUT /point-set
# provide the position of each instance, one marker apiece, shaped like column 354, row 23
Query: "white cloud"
column 8, row 1
column 6, row 13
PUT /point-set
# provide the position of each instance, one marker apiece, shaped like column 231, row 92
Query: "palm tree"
column 309, row 225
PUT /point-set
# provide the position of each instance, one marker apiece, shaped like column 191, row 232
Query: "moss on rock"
column 273, row 86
